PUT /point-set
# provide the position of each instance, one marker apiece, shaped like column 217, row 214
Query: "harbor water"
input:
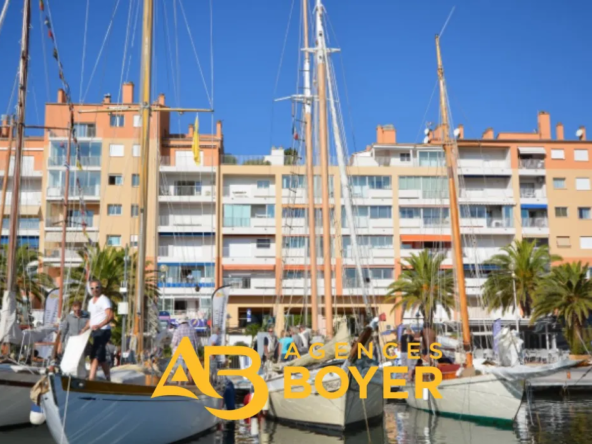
column 555, row 420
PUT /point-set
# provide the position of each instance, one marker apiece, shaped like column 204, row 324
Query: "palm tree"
column 423, row 285
column 567, row 293
column 521, row 265
column 108, row 266
column 29, row 282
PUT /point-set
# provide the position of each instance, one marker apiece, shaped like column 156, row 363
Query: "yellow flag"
column 195, row 144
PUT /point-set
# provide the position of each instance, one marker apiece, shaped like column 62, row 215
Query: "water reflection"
column 550, row 421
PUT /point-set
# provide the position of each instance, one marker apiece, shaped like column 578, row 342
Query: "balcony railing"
column 185, row 221
column 529, row 193
column 435, row 222
column 73, row 222
column 500, row 223
column 535, row 222
column 181, row 190
column 23, row 224
column 238, row 222
column 56, row 253
column 93, row 190
column 243, row 282
column 532, row 164
column 85, row 161
column 179, row 163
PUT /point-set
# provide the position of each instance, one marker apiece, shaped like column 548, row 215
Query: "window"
column 85, row 130
column 293, row 213
column 560, row 211
column 114, row 241
column 114, row 210
column 586, row 243
column 472, row 212
column 381, row 213
column 135, row 210
column 117, row 120
column 294, row 242
column 137, row 121
column 293, row 274
column 136, row 150
column 405, row 157
column 557, row 154
column 115, row 179
column 263, row 184
column 409, row 213
column 431, row 158
column 292, row 182
column 135, row 180
column 264, row 244
column 134, row 240
column 582, row 183
column 581, row 155
column 584, row 213
column 563, row 242
column 116, row 150
column 559, row 183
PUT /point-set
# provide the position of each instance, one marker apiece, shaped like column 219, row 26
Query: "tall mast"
column 145, row 150
column 324, row 149
column 314, row 304
column 454, row 213
column 18, row 154
column 6, row 168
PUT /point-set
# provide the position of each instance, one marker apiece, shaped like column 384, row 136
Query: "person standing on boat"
column 101, row 315
column 305, row 335
column 285, row 342
column 73, row 325
column 270, row 345
column 297, row 339
column 407, row 338
column 184, row 330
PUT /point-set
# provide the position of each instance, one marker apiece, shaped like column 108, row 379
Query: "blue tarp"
column 533, row 206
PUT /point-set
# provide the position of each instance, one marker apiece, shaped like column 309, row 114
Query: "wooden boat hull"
column 483, row 398
column 15, row 400
column 81, row 411
column 342, row 413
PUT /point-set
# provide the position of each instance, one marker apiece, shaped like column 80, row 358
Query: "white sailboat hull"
column 315, row 410
column 92, row 417
column 15, row 389
column 481, row 398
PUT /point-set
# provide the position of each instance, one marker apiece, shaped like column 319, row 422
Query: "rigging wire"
column 84, row 48
column 3, row 13
column 105, row 39
column 446, row 22
column 47, row 89
column 125, row 48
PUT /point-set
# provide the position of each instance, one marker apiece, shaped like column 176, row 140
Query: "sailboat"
column 481, row 393
column 16, row 380
column 315, row 411
column 80, row 411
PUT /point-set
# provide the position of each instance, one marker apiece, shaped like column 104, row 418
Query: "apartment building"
column 242, row 220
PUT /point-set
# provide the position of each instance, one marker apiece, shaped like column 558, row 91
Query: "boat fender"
column 36, row 416
column 247, row 398
column 229, row 396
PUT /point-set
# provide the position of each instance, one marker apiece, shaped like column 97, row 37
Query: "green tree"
column 29, row 281
column 521, row 264
column 422, row 285
column 567, row 293
column 108, row 266
column 260, row 161
column 290, row 156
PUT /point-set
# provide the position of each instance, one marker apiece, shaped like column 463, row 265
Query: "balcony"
column 490, row 225
column 85, row 161
column 480, row 255
column 54, row 223
column 533, row 195
column 370, row 255
column 301, row 286
column 249, row 225
column 426, row 225
column 370, row 196
column 194, row 251
column 489, row 167
column 54, row 255
column 187, row 193
column 179, row 223
column 532, row 167
column 474, row 285
column 535, row 225
column 500, row 196
column 27, row 169
column 249, row 193
column 183, row 287
column 407, row 252
column 92, row 192
column 251, row 286
column 181, row 164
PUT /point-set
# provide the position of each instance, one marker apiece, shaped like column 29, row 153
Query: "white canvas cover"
column 523, row 371
column 9, row 329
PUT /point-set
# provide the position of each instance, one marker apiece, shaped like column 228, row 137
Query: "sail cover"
column 9, row 330
column 219, row 310
column 523, row 371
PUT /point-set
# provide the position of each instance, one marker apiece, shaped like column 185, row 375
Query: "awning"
column 425, row 238
column 251, row 267
column 532, row 150
column 25, row 210
column 482, row 267
column 533, row 206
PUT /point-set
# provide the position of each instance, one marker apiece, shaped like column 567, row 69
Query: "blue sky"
column 505, row 60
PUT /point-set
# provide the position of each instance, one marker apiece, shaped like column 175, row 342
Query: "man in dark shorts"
column 101, row 315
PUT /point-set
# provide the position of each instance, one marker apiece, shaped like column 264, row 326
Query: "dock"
column 576, row 379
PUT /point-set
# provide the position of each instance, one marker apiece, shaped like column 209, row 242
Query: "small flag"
column 295, row 133
column 41, row 5
column 195, row 144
